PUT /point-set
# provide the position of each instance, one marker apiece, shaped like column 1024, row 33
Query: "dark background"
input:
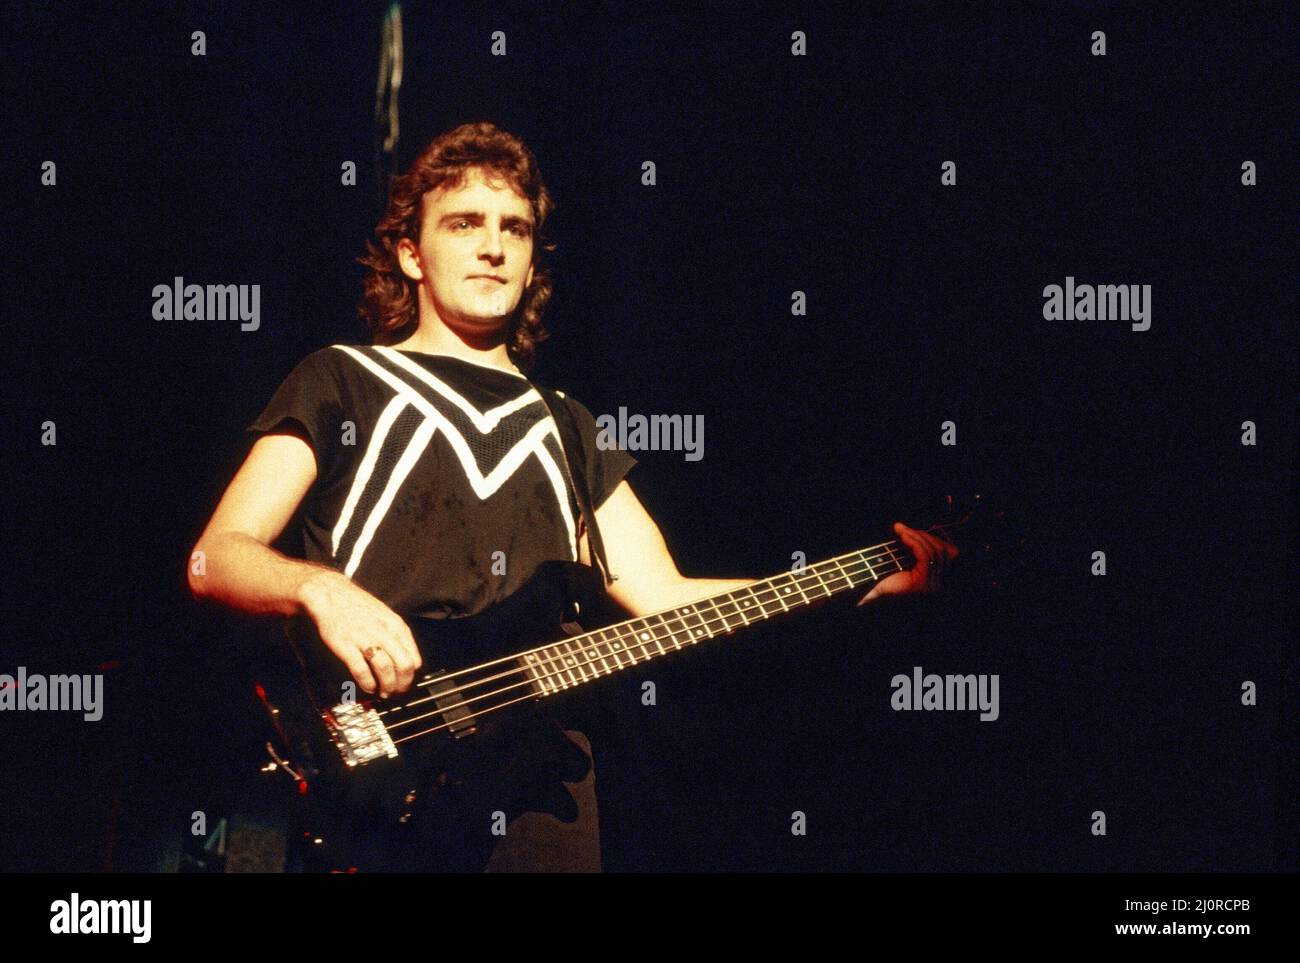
column 775, row 174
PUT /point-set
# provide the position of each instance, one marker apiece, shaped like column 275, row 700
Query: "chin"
column 483, row 327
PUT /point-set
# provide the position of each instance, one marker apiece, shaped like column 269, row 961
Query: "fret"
column 558, row 656
column 797, row 581
column 649, row 636
column 551, row 671
column 708, row 617
column 747, row 603
column 583, row 658
column 848, row 582
column 781, row 592
column 663, row 633
column 597, row 641
column 674, row 626
column 632, row 643
column 655, row 633
column 794, row 587
column 617, row 647
column 574, row 661
column 695, row 627
column 844, row 575
column 825, row 588
column 777, row 606
column 641, row 638
column 652, row 634
column 629, row 640
column 577, row 662
column 729, row 610
column 589, row 654
column 870, row 568
column 680, row 635
column 531, row 660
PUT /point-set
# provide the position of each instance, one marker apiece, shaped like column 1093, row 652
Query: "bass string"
column 706, row 621
column 862, row 566
column 859, row 558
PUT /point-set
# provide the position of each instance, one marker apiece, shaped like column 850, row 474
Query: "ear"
column 408, row 258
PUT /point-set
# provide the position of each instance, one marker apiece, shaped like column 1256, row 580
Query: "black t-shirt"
column 440, row 482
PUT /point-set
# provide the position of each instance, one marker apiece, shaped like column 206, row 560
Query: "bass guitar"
column 408, row 765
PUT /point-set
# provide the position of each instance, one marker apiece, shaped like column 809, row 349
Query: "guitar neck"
column 593, row 655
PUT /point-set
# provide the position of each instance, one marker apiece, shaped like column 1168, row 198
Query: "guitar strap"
column 571, row 447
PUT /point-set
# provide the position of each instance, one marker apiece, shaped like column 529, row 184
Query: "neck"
column 582, row 658
column 435, row 337
column 578, row 659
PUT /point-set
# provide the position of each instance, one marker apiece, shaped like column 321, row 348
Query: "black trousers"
column 540, row 815
column 543, row 843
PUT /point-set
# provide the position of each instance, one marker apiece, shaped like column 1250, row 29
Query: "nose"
column 491, row 248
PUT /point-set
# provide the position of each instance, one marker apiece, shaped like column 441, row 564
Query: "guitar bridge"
column 359, row 733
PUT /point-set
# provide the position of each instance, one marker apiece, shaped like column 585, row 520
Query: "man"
column 432, row 470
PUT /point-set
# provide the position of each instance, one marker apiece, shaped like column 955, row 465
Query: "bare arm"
column 239, row 569
column 648, row 579
column 649, row 582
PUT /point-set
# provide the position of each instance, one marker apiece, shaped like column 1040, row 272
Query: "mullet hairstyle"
column 389, row 304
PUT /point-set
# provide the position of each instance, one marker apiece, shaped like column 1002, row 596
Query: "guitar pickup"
column 451, row 699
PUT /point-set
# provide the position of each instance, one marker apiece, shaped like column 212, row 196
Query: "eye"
column 521, row 230
column 459, row 223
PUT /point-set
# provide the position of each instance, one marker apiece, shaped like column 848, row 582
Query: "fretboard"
column 592, row 655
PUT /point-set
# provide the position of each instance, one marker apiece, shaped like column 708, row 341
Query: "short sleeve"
column 306, row 405
column 606, row 467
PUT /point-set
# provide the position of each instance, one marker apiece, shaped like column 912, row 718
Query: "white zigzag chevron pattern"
column 352, row 534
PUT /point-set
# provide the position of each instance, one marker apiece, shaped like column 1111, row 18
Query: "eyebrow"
column 509, row 220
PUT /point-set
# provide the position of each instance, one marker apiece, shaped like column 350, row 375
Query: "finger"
column 410, row 658
column 914, row 540
column 405, row 660
column 934, row 570
column 357, row 667
column 951, row 549
column 929, row 558
column 937, row 552
column 382, row 664
column 893, row 585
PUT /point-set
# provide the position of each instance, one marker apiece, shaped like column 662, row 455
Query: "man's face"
column 476, row 229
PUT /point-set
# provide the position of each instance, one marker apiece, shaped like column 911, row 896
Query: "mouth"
column 487, row 277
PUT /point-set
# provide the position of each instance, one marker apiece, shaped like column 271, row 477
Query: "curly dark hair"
column 389, row 304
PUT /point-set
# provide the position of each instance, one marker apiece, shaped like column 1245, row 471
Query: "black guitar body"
column 418, row 781
column 432, row 805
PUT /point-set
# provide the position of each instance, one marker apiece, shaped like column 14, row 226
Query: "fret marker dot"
column 645, row 635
